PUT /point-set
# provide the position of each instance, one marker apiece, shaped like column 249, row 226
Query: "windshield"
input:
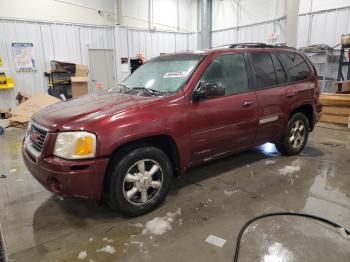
column 164, row 74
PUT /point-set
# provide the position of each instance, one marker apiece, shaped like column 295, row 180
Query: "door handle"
column 290, row 95
column 247, row 103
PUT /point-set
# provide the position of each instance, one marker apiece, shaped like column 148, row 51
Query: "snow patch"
column 278, row 253
column 288, row 170
column 270, row 162
column 139, row 225
column 160, row 225
column 82, row 255
column 251, row 228
column 228, row 193
column 108, row 249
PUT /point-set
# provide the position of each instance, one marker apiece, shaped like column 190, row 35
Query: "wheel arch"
column 164, row 142
column 308, row 111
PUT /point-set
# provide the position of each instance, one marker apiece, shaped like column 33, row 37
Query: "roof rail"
column 259, row 45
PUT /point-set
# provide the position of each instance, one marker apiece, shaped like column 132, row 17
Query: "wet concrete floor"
column 213, row 199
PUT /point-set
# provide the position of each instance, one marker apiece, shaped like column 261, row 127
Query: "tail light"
column 317, row 89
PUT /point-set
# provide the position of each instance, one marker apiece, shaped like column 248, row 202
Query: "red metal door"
column 222, row 125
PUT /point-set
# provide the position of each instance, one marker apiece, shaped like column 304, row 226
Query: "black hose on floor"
column 241, row 232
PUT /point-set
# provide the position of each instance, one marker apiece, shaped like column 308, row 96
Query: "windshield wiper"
column 149, row 90
column 125, row 86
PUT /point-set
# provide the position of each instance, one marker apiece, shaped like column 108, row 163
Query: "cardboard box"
column 24, row 112
column 19, row 121
column 21, row 97
column 80, row 86
column 345, row 86
column 5, row 113
column 345, row 40
column 81, row 70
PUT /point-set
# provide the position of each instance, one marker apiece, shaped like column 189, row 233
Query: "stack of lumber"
column 336, row 108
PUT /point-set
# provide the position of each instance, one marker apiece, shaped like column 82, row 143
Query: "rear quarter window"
column 296, row 65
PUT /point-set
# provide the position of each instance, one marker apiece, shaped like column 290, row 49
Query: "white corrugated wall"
column 250, row 33
column 70, row 43
column 151, row 44
column 325, row 27
column 64, row 42
column 131, row 42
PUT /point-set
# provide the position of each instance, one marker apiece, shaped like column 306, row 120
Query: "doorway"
column 102, row 71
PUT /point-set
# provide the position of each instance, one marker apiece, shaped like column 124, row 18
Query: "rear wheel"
column 140, row 181
column 295, row 136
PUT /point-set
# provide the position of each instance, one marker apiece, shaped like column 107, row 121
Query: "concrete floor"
column 217, row 198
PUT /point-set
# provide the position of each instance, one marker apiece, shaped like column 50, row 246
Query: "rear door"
column 302, row 84
column 223, row 124
column 270, row 85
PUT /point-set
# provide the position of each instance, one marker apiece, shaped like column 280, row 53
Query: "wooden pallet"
column 344, row 120
column 336, row 108
column 328, row 99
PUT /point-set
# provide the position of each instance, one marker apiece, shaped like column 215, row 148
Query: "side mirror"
column 208, row 90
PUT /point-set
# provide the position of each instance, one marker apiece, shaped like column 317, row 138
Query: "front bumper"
column 69, row 178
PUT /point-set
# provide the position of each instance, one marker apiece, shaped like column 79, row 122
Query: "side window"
column 281, row 75
column 230, row 71
column 296, row 65
column 264, row 70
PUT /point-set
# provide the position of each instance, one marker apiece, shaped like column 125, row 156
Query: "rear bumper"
column 69, row 178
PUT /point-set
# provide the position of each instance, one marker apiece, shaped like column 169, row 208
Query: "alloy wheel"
column 297, row 134
column 142, row 182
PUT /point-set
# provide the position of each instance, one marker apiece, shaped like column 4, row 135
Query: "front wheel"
column 295, row 136
column 140, row 181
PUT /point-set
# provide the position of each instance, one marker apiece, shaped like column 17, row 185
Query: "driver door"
column 227, row 123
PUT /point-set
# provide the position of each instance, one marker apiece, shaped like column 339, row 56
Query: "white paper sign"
column 216, row 241
column 174, row 74
column 24, row 56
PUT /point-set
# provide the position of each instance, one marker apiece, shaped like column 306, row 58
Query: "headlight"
column 29, row 128
column 75, row 145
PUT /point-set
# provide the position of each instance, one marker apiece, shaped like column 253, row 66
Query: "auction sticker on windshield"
column 174, row 74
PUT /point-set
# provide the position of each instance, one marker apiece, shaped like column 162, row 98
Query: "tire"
column 298, row 126
column 142, row 171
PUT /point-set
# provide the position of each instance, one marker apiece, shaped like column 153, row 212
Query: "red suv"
column 172, row 113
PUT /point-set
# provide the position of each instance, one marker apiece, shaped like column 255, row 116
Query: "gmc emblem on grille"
column 35, row 136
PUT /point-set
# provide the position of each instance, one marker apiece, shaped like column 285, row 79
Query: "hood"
column 80, row 112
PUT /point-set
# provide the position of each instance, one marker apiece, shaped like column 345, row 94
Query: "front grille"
column 2, row 248
column 37, row 137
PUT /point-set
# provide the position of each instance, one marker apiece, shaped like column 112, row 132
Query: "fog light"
column 55, row 185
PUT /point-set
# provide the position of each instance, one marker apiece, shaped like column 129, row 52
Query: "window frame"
column 289, row 81
column 286, row 71
column 254, row 73
column 283, row 68
column 248, row 71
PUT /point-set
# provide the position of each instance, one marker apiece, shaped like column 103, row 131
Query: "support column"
column 205, row 28
column 292, row 22
column 120, row 12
